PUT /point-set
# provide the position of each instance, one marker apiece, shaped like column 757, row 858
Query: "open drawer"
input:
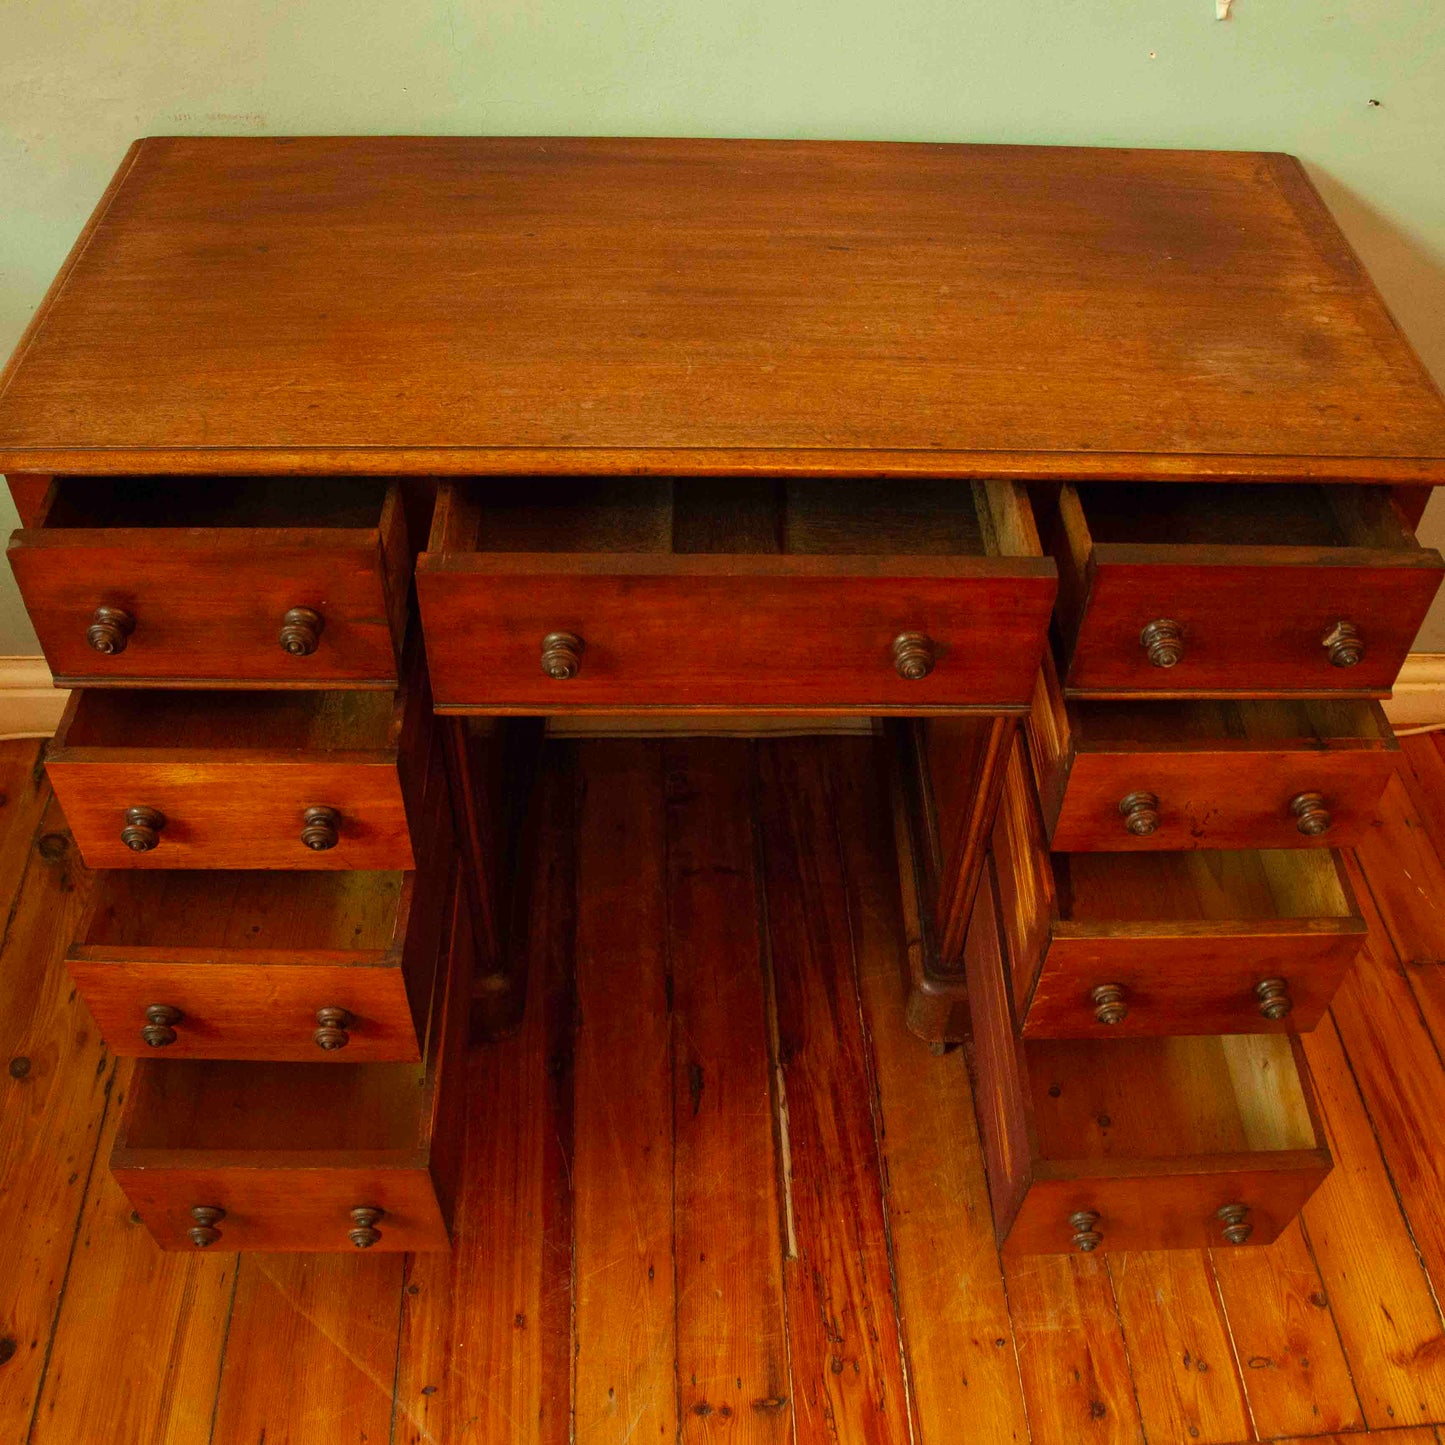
column 166, row 778
column 552, row 595
column 1160, row 1143
column 1198, row 942
column 1209, row 773
column 300, row 966
column 1236, row 588
column 303, row 1157
column 218, row 581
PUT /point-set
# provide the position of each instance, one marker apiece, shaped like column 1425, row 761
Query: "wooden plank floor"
column 714, row 1192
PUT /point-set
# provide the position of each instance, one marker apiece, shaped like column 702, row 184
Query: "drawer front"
column 304, row 1207
column 1218, row 799
column 1274, row 978
column 236, row 814
column 265, row 1009
column 694, row 637
column 1174, row 1204
column 208, row 606
column 1246, row 630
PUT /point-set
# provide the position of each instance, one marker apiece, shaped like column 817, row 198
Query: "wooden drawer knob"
column 1235, row 1219
column 1274, row 1000
column 1344, row 644
column 110, row 629
column 301, row 631
column 204, row 1233
column 320, row 828
column 332, row 1028
column 1109, row 1005
column 1311, row 816
column 160, row 1026
column 1086, row 1238
column 1140, row 812
column 142, row 829
column 364, row 1233
column 913, row 655
column 562, row 655
column 1163, row 642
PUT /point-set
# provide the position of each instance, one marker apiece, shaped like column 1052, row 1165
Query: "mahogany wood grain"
column 732, row 1349
column 660, row 627
column 1075, row 1367
column 250, row 958
column 675, row 304
column 333, row 1320
column 963, row 1373
column 946, row 778
column 1381, row 1297
column 56, row 1084
column 1185, row 1374
column 1188, row 936
column 1222, row 773
column 28, row 490
column 1286, row 1338
column 1254, row 587
column 491, row 765
column 625, row 1374
column 233, row 774
column 208, row 599
column 1152, row 1135
column 287, row 1150
column 486, row 1331
column 165, row 1319
column 842, row 1317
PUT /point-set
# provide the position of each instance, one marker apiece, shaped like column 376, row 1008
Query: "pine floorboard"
column 714, row 1193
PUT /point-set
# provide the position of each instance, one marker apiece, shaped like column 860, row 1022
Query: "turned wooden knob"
column 1311, row 816
column 1234, row 1218
column 110, row 629
column 1274, row 1000
column 320, row 828
column 363, row 1233
column 1109, row 1005
column 1086, row 1238
column 1163, row 641
column 159, row 1030
column 1344, row 644
column 332, row 1026
column 913, row 655
column 142, row 829
column 562, row 655
column 207, row 1217
column 1141, row 813
column 301, row 631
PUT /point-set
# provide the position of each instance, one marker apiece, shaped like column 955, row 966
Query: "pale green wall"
column 80, row 78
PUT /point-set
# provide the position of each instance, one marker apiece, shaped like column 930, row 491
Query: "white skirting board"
column 30, row 707
column 30, row 704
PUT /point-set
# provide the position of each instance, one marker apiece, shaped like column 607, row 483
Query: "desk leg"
column 491, row 765
column 947, row 778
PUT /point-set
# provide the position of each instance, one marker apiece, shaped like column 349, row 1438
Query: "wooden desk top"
column 490, row 305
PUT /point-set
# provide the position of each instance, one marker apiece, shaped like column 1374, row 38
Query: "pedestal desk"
column 349, row 467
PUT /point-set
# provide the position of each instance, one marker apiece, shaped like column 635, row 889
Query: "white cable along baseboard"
column 30, row 707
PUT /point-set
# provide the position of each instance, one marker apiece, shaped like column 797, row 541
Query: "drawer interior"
column 177, row 502
column 1226, row 724
column 343, row 911
column 1153, row 1098
column 256, row 721
column 1203, row 884
column 733, row 516
column 1296, row 514
column 185, row 1105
